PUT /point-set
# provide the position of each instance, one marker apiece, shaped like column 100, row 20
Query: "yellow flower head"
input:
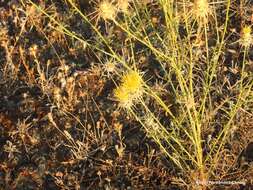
column 123, row 97
column 132, row 81
column 246, row 37
column 107, row 10
column 130, row 89
column 201, row 9
column 123, row 5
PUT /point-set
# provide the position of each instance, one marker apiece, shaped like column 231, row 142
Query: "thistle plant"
column 190, row 82
column 130, row 90
column 201, row 10
column 246, row 36
column 107, row 10
column 123, row 5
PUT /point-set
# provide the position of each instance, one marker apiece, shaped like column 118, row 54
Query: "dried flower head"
column 201, row 10
column 130, row 89
column 123, row 5
column 107, row 10
column 110, row 67
column 153, row 127
column 246, row 36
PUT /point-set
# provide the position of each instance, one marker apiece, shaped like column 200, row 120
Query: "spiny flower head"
column 109, row 67
column 123, row 5
column 124, row 98
column 201, row 9
column 130, row 89
column 107, row 10
column 246, row 37
column 132, row 81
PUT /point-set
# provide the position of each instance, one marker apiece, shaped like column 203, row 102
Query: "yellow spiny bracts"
column 107, row 10
column 123, row 5
column 130, row 89
column 246, row 36
column 201, row 10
